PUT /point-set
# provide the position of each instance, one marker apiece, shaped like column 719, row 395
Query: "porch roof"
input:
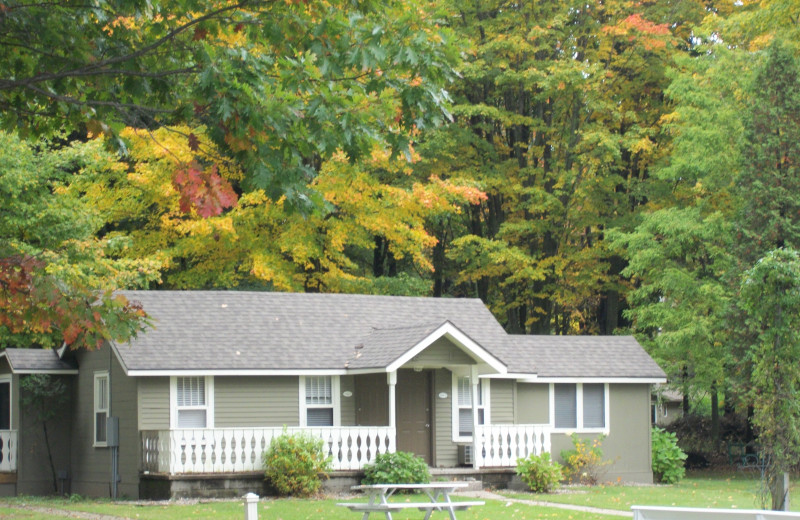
column 268, row 331
column 38, row 361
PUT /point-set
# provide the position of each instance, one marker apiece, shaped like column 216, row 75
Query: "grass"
column 707, row 490
column 274, row 509
column 731, row 490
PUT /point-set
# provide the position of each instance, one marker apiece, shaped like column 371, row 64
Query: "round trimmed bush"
column 296, row 463
column 539, row 472
column 397, row 468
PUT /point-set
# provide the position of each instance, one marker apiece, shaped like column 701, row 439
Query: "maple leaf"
column 203, row 189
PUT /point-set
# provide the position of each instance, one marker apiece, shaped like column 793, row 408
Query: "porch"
column 240, row 450
column 8, row 451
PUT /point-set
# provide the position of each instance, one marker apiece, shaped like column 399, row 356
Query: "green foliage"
column 397, row 468
column 281, row 85
column 56, row 274
column 584, row 462
column 770, row 294
column 539, row 472
column 667, row 456
column 295, row 464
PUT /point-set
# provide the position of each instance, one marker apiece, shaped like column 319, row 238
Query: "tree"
column 369, row 236
column 678, row 261
column 280, row 86
column 557, row 119
column 56, row 276
column 770, row 293
column 770, row 181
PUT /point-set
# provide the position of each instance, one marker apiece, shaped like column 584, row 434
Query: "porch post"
column 391, row 378
column 473, row 379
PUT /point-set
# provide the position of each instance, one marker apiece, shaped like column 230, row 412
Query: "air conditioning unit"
column 465, row 455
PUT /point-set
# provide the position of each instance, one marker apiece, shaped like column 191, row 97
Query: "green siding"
column 91, row 466
column 533, row 403
column 153, row 403
column 501, row 399
column 441, row 353
column 34, row 476
column 256, row 401
column 348, row 404
column 446, row 451
column 627, row 445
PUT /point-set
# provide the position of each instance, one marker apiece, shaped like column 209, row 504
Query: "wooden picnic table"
column 438, row 494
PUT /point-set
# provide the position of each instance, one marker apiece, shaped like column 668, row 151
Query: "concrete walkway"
column 586, row 509
column 53, row 512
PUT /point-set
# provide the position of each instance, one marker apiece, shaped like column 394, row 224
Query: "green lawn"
column 285, row 509
column 732, row 490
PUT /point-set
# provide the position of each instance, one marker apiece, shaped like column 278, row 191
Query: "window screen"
column 191, row 391
column 319, row 390
column 100, row 407
column 566, row 405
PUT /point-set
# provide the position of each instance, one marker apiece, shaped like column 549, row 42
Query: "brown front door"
column 413, row 397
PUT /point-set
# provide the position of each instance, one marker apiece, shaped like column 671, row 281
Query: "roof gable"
column 37, row 361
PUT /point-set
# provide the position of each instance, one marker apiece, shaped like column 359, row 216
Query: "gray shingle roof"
column 382, row 346
column 224, row 330
column 230, row 330
column 31, row 360
column 585, row 356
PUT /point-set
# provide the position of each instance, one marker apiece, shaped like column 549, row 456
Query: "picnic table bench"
column 437, row 492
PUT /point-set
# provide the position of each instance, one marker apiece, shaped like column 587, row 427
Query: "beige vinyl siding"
column 446, row 451
column 153, row 403
column 533, row 403
column 347, row 404
column 91, row 466
column 256, row 401
column 441, row 353
column 501, row 397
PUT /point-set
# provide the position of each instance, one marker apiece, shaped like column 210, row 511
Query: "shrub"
column 539, row 472
column 584, row 462
column 397, row 468
column 295, row 464
column 668, row 458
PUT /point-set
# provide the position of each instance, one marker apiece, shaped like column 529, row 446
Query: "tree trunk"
column 714, row 416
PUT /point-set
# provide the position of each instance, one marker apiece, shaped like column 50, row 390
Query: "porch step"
column 468, row 476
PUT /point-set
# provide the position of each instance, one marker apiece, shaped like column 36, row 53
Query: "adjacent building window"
column 462, row 404
column 101, row 398
column 192, row 400
column 318, row 400
column 579, row 406
column 5, row 402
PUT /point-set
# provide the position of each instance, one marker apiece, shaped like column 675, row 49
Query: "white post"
column 473, row 379
column 391, row 378
column 250, row 506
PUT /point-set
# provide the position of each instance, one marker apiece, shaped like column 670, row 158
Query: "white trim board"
column 460, row 339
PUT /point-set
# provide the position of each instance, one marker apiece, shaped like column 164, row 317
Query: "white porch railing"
column 8, row 450
column 231, row 450
column 500, row 445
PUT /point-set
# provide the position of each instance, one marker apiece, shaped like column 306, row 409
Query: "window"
column 101, row 399
column 192, row 398
column 319, row 400
column 462, row 406
column 5, row 402
column 579, row 406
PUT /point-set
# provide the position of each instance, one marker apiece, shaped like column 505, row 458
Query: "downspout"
column 473, row 379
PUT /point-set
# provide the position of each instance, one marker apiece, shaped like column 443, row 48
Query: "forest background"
column 583, row 167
